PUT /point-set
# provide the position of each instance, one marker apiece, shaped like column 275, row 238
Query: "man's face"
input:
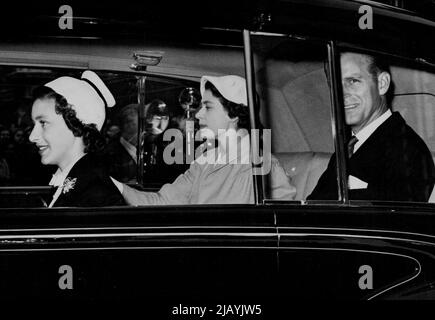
column 112, row 131
column 129, row 129
column 362, row 99
column 159, row 124
column 213, row 116
column 19, row 137
column 56, row 143
column 5, row 135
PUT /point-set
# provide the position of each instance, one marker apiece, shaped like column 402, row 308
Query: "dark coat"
column 92, row 187
column 121, row 165
column 394, row 161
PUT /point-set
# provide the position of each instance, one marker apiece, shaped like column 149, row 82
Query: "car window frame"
column 334, row 47
column 409, row 61
column 336, row 112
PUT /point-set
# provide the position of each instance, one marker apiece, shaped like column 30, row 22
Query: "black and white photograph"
column 225, row 159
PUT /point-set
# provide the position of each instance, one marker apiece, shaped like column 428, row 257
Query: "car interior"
column 290, row 81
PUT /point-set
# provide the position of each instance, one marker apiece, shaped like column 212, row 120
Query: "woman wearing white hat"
column 227, row 178
column 68, row 114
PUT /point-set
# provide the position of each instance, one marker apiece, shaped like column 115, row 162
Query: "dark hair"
column 234, row 109
column 92, row 138
column 376, row 66
column 156, row 107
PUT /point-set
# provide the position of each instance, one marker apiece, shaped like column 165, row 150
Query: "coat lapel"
column 74, row 184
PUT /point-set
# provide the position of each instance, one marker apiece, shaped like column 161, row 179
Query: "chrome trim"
column 279, row 230
column 196, row 234
column 140, row 228
column 157, row 234
column 360, row 230
column 338, row 127
column 250, row 86
column 336, row 235
column 135, row 248
column 141, row 100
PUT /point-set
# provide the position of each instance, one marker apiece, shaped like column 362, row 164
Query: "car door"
column 125, row 252
column 132, row 253
column 339, row 248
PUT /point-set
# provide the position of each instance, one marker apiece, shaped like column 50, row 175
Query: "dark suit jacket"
column 121, row 165
column 394, row 161
column 92, row 187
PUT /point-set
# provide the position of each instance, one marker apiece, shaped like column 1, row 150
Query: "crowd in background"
column 121, row 134
column 20, row 163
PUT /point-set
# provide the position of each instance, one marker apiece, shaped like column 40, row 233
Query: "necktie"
column 351, row 145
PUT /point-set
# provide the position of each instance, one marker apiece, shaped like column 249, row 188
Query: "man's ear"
column 384, row 80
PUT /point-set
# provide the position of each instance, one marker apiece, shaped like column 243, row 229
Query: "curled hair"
column 234, row 109
column 93, row 140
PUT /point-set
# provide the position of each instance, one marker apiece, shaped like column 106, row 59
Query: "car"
column 289, row 51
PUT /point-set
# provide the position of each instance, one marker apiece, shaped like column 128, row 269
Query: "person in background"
column 68, row 114
column 122, row 152
column 113, row 133
column 156, row 122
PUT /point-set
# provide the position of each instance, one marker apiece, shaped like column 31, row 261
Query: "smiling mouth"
column 351, row 106
column 42, row 149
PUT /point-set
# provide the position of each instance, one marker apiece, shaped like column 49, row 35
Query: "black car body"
column 290, row 249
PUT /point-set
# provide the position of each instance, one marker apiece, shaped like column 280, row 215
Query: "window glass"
column 389, row 108
column 162, row 111
column 147, row 145
column 20, row 163
column 295, row 105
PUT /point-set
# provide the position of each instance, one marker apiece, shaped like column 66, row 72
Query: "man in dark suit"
column 122, row 152
column 387, row 159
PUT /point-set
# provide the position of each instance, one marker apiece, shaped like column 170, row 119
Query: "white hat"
column 232, row 88
column 88, row 96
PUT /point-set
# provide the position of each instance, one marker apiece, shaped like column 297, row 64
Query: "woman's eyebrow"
column 39, row 117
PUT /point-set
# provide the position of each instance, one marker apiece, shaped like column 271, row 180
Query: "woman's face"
column 56, row 143
column 159, row 124
column 213, row 116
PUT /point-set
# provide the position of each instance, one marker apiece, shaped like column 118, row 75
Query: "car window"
column 20, row 161
column 162, row 111
column 153, row 112
column 389, row 107
column 295, row 105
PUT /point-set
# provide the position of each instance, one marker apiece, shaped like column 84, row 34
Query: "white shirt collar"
column 367, row 131
column 59, row 178
column 60, row 175
column 131, row 149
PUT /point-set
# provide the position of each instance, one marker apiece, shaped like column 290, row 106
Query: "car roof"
column 178, row 61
